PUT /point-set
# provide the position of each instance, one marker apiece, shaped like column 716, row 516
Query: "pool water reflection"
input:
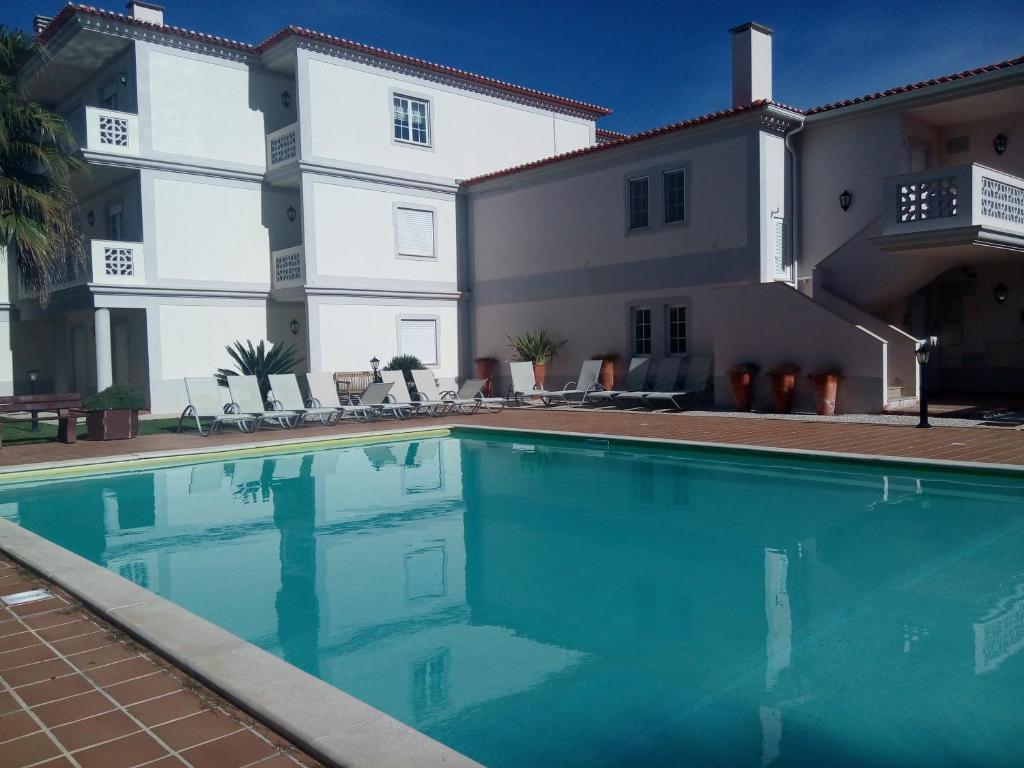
column 556, row 603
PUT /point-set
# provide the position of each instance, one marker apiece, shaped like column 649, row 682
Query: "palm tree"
column 36, row 162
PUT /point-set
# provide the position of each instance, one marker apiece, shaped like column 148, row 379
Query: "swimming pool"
column 559, row 602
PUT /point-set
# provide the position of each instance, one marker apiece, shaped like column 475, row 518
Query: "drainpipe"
column 794, row 202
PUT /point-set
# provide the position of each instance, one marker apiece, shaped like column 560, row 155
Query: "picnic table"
column 66, row 406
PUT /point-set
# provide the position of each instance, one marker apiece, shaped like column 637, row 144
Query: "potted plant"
column 607, row 376
column 783, row 378
column 485, row 368
column 826, row 387
column 113, row 414
column 537, row 347
column 741, row 379
column 259, row 361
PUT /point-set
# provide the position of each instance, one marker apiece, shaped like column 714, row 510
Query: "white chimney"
column 751, row 63
column 150, row 12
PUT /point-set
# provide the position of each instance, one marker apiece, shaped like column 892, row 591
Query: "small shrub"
column 537, row 347
column 404, row 363
column 116, row 398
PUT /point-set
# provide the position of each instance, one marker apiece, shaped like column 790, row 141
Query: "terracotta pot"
column 112, row 425
column 783, row 385
column 485, row 367
column 742, row 390
column 826, row 386
column 540, row 371
column 607, row 376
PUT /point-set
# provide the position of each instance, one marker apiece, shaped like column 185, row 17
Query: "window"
column 674, row 210
column 418, row 338
column 412, row 120
column 638, row 191
column 115, row 218
column 414, row 232
column 677, row 330
column 641, row 331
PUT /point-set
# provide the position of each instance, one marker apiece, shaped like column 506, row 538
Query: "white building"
column 302, row 190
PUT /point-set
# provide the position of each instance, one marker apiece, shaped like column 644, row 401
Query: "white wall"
column 206, row 229
column 350, row 122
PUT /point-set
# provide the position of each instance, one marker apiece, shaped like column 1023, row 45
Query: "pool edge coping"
column 322, row 720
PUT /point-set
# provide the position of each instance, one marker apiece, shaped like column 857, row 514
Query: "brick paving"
column 75, row 692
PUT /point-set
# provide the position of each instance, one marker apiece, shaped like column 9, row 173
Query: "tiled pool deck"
column 76, row 692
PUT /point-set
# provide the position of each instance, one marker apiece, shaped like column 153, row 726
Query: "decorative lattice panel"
column 283, row 148
column 118, row 262
column 1002, row 201
column 928, row 199
column 288, row 266
column 113, row 131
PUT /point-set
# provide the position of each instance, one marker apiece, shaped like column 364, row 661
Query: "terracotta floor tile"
column 60, row 762
column 10, row 626
column 122, row 753
column 279, row 760
column 42, row 606
column 23, row 656
column 53, row 619
column 15, row 724
column 28, row 750
column 86, row 661
column 74, row 708
column 7, row 703
column 13, row 585
column 144, row 688
column 15, row 641
column 85, row 733
column 34, row 673
column 51, row 690
column 88, row 642
column 121, row 671
column 172, row 761
column 196, row 729
column 70, row 628
column 171, row 707
column 232, row 751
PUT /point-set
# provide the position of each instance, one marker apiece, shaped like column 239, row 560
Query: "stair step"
column 900, row 403
column 894, row 393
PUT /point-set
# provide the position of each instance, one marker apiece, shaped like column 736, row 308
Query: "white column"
column 104, row 358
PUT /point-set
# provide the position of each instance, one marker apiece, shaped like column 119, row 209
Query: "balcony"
column 287, row 268
column 111, row 263
column 962, row 211
column 106, row 131
column 282, row 147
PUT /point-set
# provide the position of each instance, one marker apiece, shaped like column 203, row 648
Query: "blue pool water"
column 544, row 603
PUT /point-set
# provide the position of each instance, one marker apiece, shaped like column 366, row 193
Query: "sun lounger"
column 204, row 403
column 698, row 374
column 427, row 388
column 524, row 384
column 636, row 378
column 245, row 393
column 323, row 394
column 584, row 384
column 664, row 379
column 378, row 397
column 473, row 389
column 401, row 396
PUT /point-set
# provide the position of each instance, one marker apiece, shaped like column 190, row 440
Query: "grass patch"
column 20, row 432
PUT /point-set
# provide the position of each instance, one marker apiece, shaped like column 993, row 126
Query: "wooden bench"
column 66, row 406
column 352, row 382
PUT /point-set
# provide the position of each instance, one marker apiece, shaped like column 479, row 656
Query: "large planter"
column 742, row 384
column 607, row 376
column 783, row 384
column 485, row 368
column 826, row 387
column 112, row 425
column 540, row 372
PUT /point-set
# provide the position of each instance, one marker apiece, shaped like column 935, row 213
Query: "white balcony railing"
column 106, row 130
column 287, row 267
column 945, row 199
column 283, row 146
column 117, row 263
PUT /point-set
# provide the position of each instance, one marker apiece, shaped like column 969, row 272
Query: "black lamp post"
column 33, row 377
column 375, row 365
column 924, row 353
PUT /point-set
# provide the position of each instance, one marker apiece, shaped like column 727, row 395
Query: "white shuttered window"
column 415, row 232
column 418, row 338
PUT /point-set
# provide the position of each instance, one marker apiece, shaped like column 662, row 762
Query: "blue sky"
column 651, row 62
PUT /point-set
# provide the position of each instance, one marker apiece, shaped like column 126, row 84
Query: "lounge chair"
column 428, row 391
column 524, row 383
column 636, row 378
column 378, row 397
column 698, row 374
column 584, row 384
column 473, row 389
column 664, row 380
column 245, row 393
column 400, row 395
column 204, row 403
column 323, row 393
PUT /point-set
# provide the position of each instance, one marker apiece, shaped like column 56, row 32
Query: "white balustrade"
column 117, row 263
column 107, row 131
column 287, row 267
column 283, row 146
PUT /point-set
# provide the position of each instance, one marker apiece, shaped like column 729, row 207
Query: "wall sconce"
column 291, row 213
column 91, row 218
column 845, row 200
column 286, row 99
column 123, row 79
column 1002, row 293
column 294, row 326
column 999, row 144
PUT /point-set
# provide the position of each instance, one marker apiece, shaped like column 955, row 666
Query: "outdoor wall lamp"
column 375, row 366
column 845, row 200
column 999, row 144
column 291, row 214
column 294, row 326
column 1002, row 293
column 286, row 99
column 924, row 355
column 91, row 218
column 123, row 79
column 33, row 375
